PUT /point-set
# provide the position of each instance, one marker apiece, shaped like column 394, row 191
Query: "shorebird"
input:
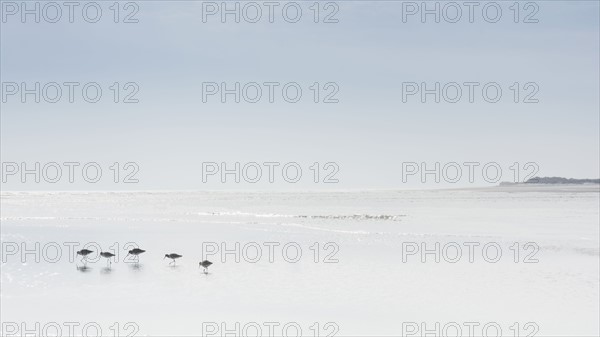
column 84, row 253
column 172, row 256
column 205, row 264
column 107, row 255
column 136, row 252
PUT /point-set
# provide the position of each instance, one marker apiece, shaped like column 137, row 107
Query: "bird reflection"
column 83, row 269
column 136, row 266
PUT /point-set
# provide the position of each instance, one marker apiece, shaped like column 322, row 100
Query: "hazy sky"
column 369, row 53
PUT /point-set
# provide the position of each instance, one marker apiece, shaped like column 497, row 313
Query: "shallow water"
column 336, row 259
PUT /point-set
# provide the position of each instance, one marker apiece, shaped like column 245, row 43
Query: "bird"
column 84, row 253
column 136, row 252
column 107, row 255
column 205, row 264
column 172, row 256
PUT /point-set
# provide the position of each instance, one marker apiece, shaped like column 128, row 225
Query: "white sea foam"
column 301, row 216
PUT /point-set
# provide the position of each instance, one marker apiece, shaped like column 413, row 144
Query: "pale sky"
column 368, row 54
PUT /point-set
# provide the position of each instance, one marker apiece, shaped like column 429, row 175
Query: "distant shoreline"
column 554, row 181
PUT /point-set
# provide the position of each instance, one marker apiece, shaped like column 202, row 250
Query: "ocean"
column 514, row 260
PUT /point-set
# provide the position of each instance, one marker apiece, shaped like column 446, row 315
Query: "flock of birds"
column 136, row 253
